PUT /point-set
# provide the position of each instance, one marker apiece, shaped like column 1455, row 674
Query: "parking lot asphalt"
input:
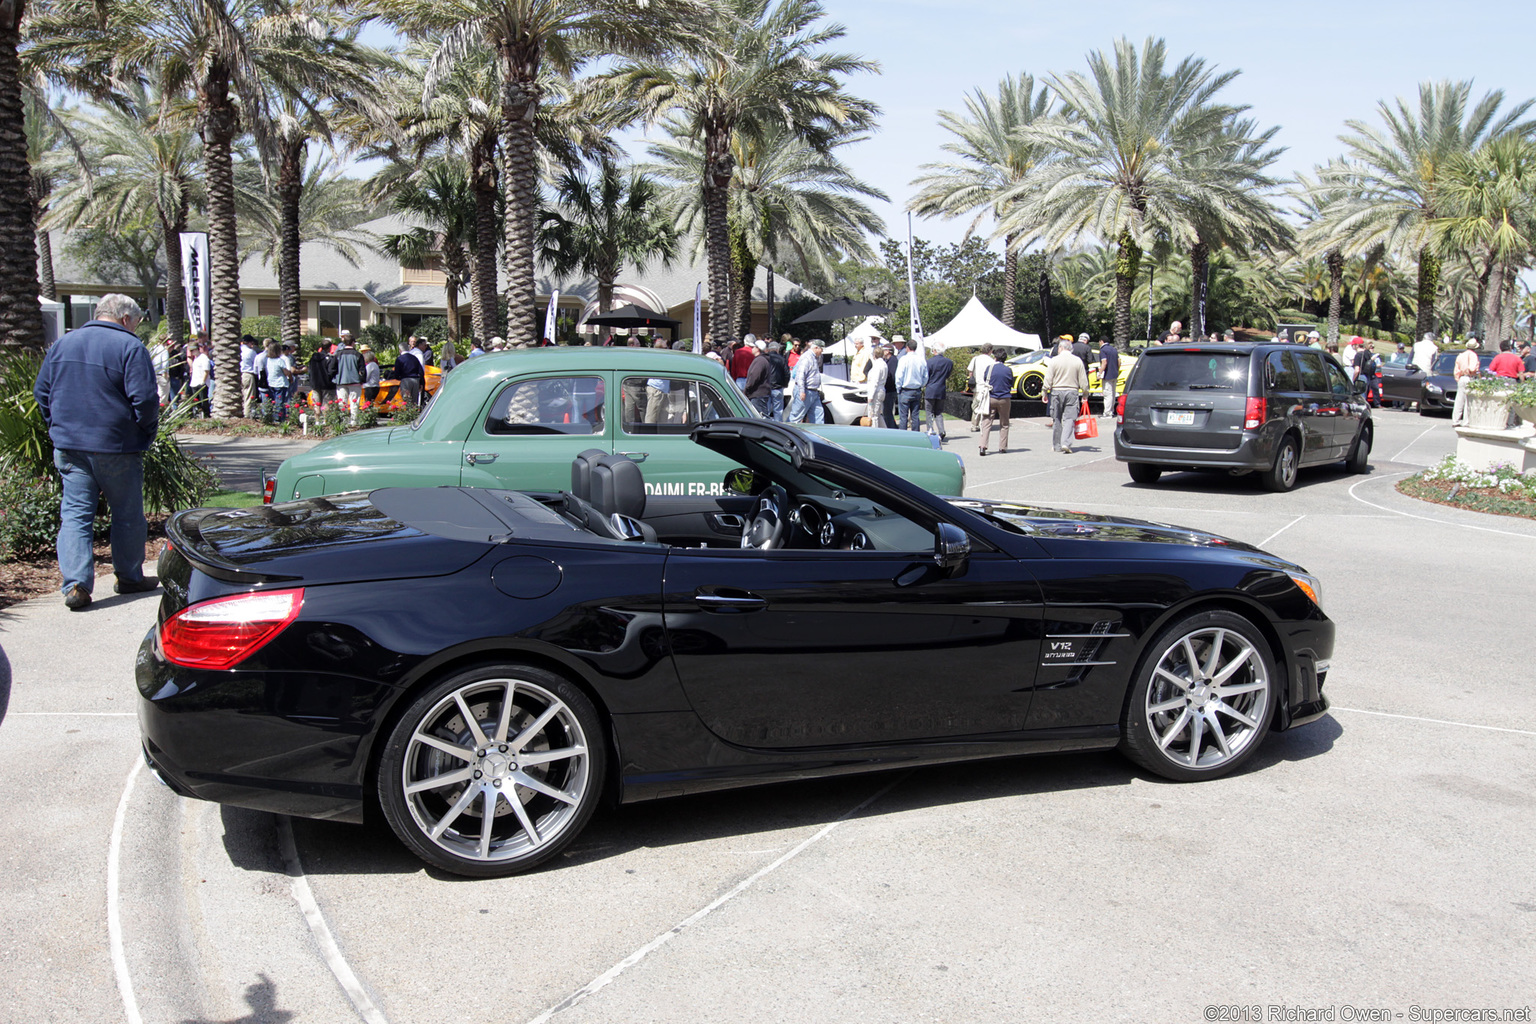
column 1380, row 858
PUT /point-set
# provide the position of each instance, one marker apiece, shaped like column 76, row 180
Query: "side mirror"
column 741, row 481
column 1361, row 385
column 951, row 546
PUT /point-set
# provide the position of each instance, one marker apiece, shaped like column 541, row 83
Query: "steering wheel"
column 766, row 530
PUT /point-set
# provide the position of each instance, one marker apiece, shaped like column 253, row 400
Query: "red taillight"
column 1119, row 408
column 1255, row 414
column 221, row 633
column 268, row 488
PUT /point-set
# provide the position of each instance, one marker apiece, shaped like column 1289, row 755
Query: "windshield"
column 1192, row 371
column 1026, row 358
column 1445, row 362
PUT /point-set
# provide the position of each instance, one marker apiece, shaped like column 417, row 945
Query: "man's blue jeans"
column 120, row 478
column 910, row 402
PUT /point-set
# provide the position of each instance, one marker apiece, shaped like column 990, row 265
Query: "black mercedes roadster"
column 484, row 666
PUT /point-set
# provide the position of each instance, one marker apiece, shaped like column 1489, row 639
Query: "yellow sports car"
column 1029, row 374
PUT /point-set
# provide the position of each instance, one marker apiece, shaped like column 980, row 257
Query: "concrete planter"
column 1488, row 410
column 1525, row 412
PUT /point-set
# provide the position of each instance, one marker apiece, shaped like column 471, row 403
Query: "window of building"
column 269, row 307
column 340, row 316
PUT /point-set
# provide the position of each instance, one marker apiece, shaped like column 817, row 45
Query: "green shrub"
column 378, row 336
column 29, row 517
column 26, row 452
column 262, row 327
column 174, row 479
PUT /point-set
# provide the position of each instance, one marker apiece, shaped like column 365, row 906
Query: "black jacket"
column 939, row 369
column 757, row 385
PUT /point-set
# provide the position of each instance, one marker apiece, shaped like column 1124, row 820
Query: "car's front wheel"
column 1360, row 454
column 1032, row 386
column 1202, row 699
column 493, row 770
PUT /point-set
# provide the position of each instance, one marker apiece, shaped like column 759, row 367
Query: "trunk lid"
column 1179, row 398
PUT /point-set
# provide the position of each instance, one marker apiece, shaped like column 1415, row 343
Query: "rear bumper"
column 1254, row 452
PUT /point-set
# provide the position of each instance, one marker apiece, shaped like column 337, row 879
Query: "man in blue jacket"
column 97, row 393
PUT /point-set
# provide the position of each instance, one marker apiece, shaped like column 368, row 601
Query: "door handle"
column 475, row 458
column 728, row 600
column 635, row 456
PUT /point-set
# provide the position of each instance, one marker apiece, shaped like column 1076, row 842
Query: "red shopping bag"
column 1087, row 424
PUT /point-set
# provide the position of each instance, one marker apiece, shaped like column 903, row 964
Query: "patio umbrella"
column 838, row 309
column 633, row 316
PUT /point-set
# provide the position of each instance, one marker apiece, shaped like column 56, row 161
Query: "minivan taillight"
column 1255, row 414
column 1119, row 408
column 221, row 633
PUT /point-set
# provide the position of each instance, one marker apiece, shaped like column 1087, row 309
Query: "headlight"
column 1434, row 389
column 1309, row 585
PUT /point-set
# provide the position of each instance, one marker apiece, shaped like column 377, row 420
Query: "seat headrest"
column 581, row 472
column 618, row 486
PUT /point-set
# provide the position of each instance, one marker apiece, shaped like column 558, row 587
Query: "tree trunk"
column 1127, row 264
column 520, row 150
column 743, row 274
column 1335, row 261
column 1429, row 284
column 719, row 166
column 1489, row 311
column 175, row 287
column 290, row 191
column 488, row 232
column 220, row 124
column 1200, row 263
column 455, row 274
column 1010, row 280
column 48, row 290
column 21, row 324
column 1507, row 303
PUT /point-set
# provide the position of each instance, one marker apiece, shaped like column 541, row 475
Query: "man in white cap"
column 1466, row 370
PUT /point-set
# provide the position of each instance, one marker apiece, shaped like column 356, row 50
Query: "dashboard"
column 839, row 524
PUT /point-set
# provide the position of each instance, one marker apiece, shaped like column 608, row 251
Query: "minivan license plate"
column 1181, row 419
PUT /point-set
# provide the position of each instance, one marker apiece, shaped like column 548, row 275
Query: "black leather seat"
column 581, row 472
column 608, row 484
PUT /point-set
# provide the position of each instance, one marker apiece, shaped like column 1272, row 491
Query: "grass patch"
column 232, row 499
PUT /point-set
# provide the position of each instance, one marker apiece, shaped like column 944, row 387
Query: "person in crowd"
column 1175, row 331
column 424, row 354
column 1082, row 350
column 322, row 375
column 936, row 391
column 449, row 357
column 1506, row 363
column 349, row 376
column 1314, row 340
column 96, row 392
column 248, row 389
column 888, row 405
column 1109, row 372
column 1528, row 360
column 858, row 364
column 160, row 360
column 1066, row 385
column 778, row 379
column 757, row 388
column 200, row 379
column 742, row 357
column 1424, row 352
column 410, row 371
column 792, row 349
column 278, row 366
column 176, row 369
column 911, row 379
column 981, row 392
column 475, row 349
column 371, row 375
column 805, row 386
column 1467, row 368
column 874, row 384
column 999, row 388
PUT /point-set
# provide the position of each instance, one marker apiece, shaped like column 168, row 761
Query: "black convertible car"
column 485, row 666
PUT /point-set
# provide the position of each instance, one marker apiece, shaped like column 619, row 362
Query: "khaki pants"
column 1000, row 407
column 248, row 394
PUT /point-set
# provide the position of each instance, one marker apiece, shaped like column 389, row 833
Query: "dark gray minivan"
column 1268, row 408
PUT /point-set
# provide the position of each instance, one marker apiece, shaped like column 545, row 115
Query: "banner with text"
column 194, row 281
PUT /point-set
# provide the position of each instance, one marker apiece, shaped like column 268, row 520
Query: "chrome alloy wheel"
column 1208, row 698
column 496, row 769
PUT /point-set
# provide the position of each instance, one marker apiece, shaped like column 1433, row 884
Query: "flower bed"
column 1500, row 491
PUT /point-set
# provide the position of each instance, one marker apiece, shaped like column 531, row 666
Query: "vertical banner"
column 917, row 319
column 194, row 281
column 549, row 317
column 698, row 320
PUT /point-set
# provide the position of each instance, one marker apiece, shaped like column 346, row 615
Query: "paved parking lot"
column 1381, row 858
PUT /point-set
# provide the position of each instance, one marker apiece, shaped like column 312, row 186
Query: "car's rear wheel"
column 1282, row 475
column 1360, row 454
column 1202, row 699
column 493, row 770
column 1144, row 472
column 1032, row 386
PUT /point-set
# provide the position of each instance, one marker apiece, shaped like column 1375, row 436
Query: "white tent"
column 974, row 325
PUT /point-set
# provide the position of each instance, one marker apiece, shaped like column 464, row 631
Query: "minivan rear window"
column 1192, row 371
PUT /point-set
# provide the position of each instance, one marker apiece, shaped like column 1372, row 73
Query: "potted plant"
column 1489, row 400
column 1522, row 400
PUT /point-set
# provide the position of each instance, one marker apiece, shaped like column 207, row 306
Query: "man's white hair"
column 116, row 306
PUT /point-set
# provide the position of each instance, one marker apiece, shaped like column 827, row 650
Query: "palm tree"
column 1488, row 196
column 330, row 208
column 788, row 202
column 1400, row 167
column 48, row 138
column 526, row 36
column 994, row 160
column 20, row 326
column 145, row 154
column 755, row 65
column 603, row 222
column 440, row 194
column 1124, row 134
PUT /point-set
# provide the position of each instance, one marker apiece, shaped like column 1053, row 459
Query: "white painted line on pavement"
column 305, row 898
column 1430, row 519
column 1436, row 721
column 603, row 980
column 1413, row 442
column 114, row 911
column 1043, row 472
column 1282, row 529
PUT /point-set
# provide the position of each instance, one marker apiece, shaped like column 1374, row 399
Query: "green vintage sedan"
column 518, row 419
